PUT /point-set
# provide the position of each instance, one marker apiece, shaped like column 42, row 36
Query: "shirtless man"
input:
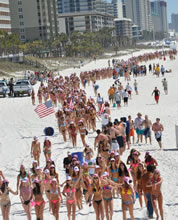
column 36, row 150
column 158, row 129
column 113, row 133
column 100, row 137
column 147, row 132
column 120, row 136
column 131, row 126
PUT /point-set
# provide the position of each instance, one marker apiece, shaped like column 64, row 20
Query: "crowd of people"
column 101, row 175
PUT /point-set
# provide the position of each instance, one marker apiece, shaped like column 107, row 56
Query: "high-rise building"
column 139, row 12
column 118, row 10
column 5, row 20
column 174, row 22
column 159, row 16
column 123, row 27
column 34, row 19
column 85, row 15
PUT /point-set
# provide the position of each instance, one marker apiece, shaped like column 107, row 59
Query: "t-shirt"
column 90, row 163
column 105, row 119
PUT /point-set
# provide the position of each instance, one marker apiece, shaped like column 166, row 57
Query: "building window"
column 21, row 30
column 21, row 16
column 21, row 23
column 20, row 10
column 19, row 2
column 22, row 37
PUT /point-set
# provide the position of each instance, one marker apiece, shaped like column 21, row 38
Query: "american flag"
column 45, row 109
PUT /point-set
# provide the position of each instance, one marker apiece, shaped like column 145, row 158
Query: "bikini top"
column 126, row 192
column 46, row 181
column 155, row 181
column 63, row 124
column 134, row 165
column 55, row 193
column 115, row 171
column 106, row 188
column 70, row 191
column 22, row 178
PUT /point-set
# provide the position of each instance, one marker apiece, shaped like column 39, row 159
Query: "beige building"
column 5, row 20
column 34, row 19
column 123, row 27
column 90, row 21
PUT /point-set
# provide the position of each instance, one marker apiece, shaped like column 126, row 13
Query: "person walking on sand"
column 157, row 194
column 33, row 97
column 147, row 131
column 165, row 86
column 136, row 87
column 5, row 199
column 158, row 129
column 36, row 150
column 156, row 93
column 139, row 127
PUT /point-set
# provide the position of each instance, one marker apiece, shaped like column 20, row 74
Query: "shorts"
column 120, row 141
column 118, row 102
column 158, row 138
column 111, row 97
column 157, row 98
column 114, row 145
column 125, row 99
column 131, row 133
column 140, row 131
column 147, row 132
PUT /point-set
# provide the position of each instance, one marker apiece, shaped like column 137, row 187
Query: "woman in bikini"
column 134, row 167
column 157, row 194
column 5, row 200
column 40, row 95
column 123, row 172
column 86, row 182
column 107, row 186
column 33, row 97
column 38, row 201
column 149, row 160
column 47, row 180
column 23, row 174
column 63, row 128
column 128, row 198
column 73, row 133
column 86, row 150
column 53, row 173
column 47, row 148
column 114, row 174
column 34, row 166
column 139, row 189
column 55, row 198
column 26, row 196
column 75, row 177
column 82, row 131
column 97, row 197
column 69, row 192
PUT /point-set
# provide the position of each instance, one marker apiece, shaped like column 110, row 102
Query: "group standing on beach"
column 102, row 175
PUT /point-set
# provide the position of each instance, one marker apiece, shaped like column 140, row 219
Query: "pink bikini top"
column 68, row 190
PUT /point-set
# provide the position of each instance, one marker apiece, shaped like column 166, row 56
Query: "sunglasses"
column 95, row 178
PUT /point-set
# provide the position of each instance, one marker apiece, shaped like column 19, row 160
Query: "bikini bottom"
column 70, row 201
column 108, row 199
column 98, row 202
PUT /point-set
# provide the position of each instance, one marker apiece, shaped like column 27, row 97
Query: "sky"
column 172, row 8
